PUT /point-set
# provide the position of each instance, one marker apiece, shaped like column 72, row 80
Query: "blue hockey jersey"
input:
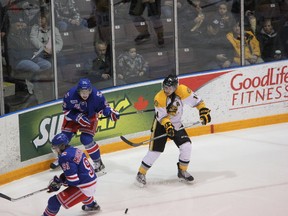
column 76, row 167
column 73, row 104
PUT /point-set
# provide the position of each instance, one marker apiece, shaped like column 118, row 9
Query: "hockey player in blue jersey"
column 82, row 105
column 78, row 176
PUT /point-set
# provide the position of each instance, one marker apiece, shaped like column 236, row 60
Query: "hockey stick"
column 152, row 139
column 130, row 113
column 22, row 197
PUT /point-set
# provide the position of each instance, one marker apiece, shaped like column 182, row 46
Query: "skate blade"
column 186, row 181
column 101, row 173
column 138, row 184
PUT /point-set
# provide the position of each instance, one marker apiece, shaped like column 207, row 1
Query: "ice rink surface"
column 237, row 173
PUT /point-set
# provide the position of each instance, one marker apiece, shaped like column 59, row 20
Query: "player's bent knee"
column 54, row 204
column 86, row 139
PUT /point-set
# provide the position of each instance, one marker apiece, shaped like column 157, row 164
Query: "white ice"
column 237, row 173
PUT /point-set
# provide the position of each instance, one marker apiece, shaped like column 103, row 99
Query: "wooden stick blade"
column 129, row 142
column 155, row 138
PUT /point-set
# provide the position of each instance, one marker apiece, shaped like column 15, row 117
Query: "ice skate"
column 94, row 208
column 184, row 175
column 140, row 180
column 99, row 168
column 54, row 164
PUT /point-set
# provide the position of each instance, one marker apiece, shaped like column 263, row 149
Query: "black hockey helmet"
column 171, row 80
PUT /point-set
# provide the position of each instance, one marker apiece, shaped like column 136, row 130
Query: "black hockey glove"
column 54, row 184
column 204, row 114
column 169, row 129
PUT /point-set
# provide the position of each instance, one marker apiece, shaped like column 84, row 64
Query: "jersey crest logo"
column 156, row 103
column 73, row 101
column 172, row 110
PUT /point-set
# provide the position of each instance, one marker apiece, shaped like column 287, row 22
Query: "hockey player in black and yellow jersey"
column 168, row 104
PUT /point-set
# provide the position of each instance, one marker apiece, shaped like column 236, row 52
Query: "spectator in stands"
column 31, row 10
column 101, row 73
column 20, row 50
column 218, row 51
column 154, row 12
column 250, row 19
column 102, row 63
column 224, row 17
column 167, row 8
column 132, row 66
column 200, row 17
column 251, row 46
column 192, row 24
column 40, row 38
column 100, row 18
column 68, row 16
column 270, row 41
column 27, row 10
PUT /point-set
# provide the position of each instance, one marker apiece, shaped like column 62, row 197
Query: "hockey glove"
column 113, row 114
column 169, row 129
column 63, row 179
column 54, row 184
column 204, row 114
column 83, row 120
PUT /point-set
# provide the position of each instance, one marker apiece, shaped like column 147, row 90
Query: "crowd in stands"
column 208, row 30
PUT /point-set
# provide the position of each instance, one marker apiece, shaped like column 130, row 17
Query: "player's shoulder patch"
column 183, row 91
column 160, row 99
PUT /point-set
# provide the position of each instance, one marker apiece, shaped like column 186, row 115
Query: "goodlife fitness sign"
column 243, row 93
column 258, row 89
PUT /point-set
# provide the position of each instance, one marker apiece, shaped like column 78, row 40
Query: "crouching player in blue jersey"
column 82, row 105
column 78, row 175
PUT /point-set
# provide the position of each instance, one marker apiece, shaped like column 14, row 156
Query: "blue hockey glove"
column 83, row 120
column 54, row 184
column 113, row 114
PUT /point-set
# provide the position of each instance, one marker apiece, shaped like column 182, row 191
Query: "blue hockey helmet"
column 171, row 80
column 60, row 139
column 59, row 143
column 84, row 84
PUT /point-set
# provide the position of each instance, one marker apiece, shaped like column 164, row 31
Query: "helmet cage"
column 84, row 84
column 170, row 81
column 59, row 143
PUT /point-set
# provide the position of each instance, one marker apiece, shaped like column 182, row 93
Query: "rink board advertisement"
column 244, row 93
column 38, row 127
column 231, row 95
